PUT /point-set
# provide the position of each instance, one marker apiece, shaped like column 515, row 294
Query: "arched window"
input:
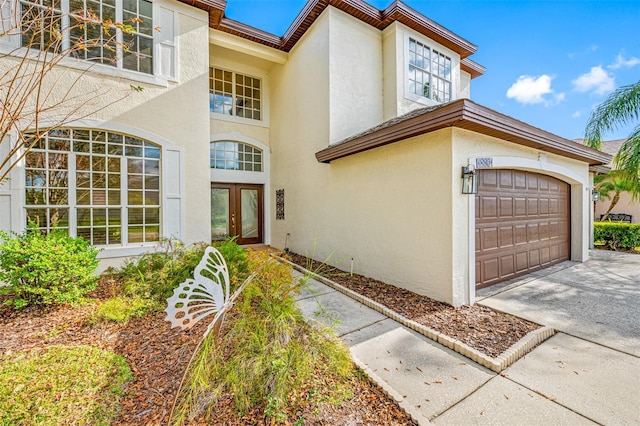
column 228, row 155
column 99, row 185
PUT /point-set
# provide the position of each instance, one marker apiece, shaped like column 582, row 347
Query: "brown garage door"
column 522, row 224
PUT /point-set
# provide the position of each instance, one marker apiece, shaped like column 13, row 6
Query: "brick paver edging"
column 497, row 364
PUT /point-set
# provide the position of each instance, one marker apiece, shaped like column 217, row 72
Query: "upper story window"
column 102, row 186
column 229, row 155
column 57, row 24
column 429, row 72
column 232, row 93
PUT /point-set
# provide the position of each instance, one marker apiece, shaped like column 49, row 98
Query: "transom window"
column 429, row 72
column 236, row 94
column 229, row 155
column 102, row 186
column 131, row 51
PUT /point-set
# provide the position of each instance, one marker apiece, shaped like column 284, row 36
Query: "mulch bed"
column 158, row 356
column 484, row 329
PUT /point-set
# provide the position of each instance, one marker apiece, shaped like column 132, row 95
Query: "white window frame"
column 434, row 48
column 234, row 117
column 172, row 193
column 11, row 45
column 72, row 206
column 238, row 161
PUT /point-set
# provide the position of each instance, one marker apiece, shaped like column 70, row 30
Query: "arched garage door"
column 522, row 224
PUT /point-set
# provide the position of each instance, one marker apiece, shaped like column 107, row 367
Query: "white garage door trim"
column 580, row 205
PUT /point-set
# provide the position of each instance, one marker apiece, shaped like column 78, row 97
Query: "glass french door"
column 236, row 211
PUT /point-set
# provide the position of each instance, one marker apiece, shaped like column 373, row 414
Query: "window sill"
column 422, row 100
column 239, row 120
column 92, row 67
column 126, row 251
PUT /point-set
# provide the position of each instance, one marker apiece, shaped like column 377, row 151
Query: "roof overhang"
column 359, row 9
column 600, row 169
column 462, row 114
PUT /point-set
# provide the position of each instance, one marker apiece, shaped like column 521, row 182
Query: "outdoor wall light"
column 595, row 195
column 469, row 180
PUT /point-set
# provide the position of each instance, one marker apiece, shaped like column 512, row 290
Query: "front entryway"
column 236, row 211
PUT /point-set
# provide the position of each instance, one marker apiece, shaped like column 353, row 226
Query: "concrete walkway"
column 566, row 380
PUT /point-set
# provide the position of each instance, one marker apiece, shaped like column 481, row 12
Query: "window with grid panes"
column 228, row 155
column 235, row 94
column 132, row 51
column 102, row 186
column 429, row 72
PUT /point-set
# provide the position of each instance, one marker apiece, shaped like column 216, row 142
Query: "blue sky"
column 548, row 62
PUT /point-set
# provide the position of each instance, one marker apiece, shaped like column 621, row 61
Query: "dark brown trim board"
column 463, row 114
column 359, row 9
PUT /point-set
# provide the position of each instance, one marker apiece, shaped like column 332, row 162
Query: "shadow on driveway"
column 598, row 300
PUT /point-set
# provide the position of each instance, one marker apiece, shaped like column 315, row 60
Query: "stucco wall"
column 172, row 113
column 465, row 85
column 299, row 128
column 626, row 205
column 355, row 75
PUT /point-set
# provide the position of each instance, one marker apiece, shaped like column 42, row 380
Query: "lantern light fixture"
column 469, row 179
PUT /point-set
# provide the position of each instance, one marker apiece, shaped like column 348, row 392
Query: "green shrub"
column 47, row 268
column 155, row 275
column 122, row 309
column 236, row 258
column 617, row 235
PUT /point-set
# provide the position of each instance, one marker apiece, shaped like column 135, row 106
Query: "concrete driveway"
column 598, row 300
column 591, row 368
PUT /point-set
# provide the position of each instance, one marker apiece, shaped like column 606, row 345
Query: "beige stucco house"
column 349, row 134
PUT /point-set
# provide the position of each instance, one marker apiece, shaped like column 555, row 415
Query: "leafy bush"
column 155, row 275
column 122, row 309
column 47, row 268
column 617, row 235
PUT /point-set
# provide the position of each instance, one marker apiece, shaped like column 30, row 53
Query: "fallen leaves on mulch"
column 158, row 357
column 484, row 329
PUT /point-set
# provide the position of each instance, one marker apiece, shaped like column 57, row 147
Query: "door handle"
column 233, row 220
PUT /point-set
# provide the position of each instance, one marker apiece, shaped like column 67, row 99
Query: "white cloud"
column 531, row 90
column 622, row 62
column 589, row 49
column 597, row 80
column 576, row 114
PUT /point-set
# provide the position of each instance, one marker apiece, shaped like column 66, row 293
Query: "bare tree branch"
column 37, row 88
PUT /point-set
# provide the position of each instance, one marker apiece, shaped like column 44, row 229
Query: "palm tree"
column 614, row 181
column 622, row 107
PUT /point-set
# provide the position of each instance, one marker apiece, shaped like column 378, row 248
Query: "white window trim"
column 455, row 63
column 264, row 117
column 10, row 45
column 158, row 43
column 18, row 197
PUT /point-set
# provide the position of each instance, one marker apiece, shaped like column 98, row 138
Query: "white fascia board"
column 229, row 41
